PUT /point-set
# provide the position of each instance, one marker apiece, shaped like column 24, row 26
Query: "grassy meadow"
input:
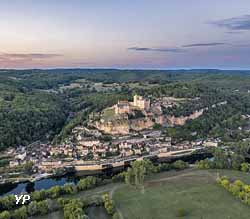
column 193, row 195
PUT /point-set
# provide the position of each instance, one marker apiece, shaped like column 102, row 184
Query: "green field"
column 195, row 192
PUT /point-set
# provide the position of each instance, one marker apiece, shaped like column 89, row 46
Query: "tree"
column 87, row 183
column 55, row 192
column 119, row 177
column 69, row 188
column 140, row 171
column 221, row 159
column 29, row 116
column 204, row 164
column 136, row 174
column 73, row 210
column 20, row 213
column 108, row 204
column 225, row 183
column 237, row 160
column 62, row 202
column 5, row 215
column 129, row 177
column 33, row 208
column 236, row 187
column 180, row 165
column 245, row 167
column 7, row 202
column 239, row 183
column 43, row 207
column 28, row 167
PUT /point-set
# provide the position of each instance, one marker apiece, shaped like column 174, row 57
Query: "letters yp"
column 23, row 197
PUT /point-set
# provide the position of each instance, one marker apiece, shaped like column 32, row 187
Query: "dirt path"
column 111, row 196
column 189, row 173
column 169, row 178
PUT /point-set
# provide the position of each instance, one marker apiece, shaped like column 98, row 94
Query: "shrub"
column 181, row 212
column 5, row 215
column 237, row 188
column 108, row 204
column 245, row 167
column 180, row 165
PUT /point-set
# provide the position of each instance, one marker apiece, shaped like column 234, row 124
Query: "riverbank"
column 73, row 177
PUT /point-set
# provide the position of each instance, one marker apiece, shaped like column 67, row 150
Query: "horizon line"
column 135, row 69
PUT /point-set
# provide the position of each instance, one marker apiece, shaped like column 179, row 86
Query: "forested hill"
column 53, row 77
column 35, row 104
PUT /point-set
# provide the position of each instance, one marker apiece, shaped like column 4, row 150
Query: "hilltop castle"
column 126, row 107
column 141, row 103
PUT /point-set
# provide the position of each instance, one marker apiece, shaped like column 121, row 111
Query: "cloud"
column 234, row 32
column 242, row 45
column 147, row 49
column 234, row 23
column 27, row 56
column 22, row 60
column 204, row 44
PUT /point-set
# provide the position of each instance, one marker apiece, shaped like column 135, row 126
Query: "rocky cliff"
column 114, row 128
column 123, row 127
column 140, row 124
column 172, row 120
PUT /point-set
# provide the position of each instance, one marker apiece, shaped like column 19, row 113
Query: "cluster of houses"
column 35, row 152
column 90, row 144
column 87, row 147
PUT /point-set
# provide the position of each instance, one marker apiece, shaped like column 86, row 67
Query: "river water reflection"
column 73, row 178
column 38, row 185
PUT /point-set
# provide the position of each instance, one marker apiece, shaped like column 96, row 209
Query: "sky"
column 148, row 34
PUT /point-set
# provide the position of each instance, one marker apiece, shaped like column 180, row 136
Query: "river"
column 74, row 178
column 18, row 188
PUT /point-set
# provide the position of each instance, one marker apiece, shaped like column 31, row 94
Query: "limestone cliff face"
column 123, row 127
column 172, row 120
column 162, row 120
column 140, row 124
column 114, row 128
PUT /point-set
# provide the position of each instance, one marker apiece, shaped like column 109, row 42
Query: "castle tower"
column 141, row 103
column 136, row 97
column 122, row 107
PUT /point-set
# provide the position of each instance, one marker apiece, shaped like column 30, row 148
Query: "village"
column 93, row 147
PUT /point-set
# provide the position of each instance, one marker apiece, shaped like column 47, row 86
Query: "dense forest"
column 33, row 105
